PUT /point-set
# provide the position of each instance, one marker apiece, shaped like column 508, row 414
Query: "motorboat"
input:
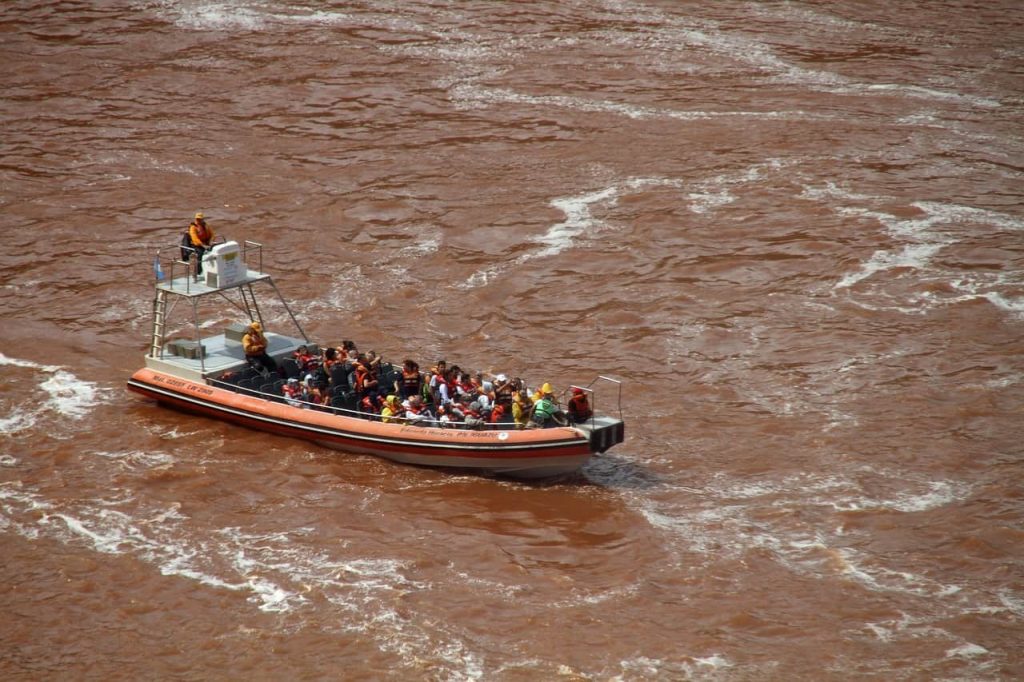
column 195, row 362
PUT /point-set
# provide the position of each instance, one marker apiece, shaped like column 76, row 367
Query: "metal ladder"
column 252, row 308
column 159, row 315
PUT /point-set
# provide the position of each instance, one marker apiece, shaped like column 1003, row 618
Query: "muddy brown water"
column 793, row 230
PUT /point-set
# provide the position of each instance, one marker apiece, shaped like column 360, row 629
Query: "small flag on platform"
column 157, row 269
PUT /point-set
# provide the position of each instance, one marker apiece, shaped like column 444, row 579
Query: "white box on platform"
column 222, row 265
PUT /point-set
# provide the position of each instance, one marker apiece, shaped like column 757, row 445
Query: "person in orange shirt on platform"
column 201, row 237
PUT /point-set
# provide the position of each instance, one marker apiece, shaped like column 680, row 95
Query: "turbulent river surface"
column 793, row 230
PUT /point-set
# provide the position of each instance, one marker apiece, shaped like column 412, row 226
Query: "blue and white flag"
column 157, row 269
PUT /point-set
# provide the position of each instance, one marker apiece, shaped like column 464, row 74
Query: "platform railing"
column 619, row 397
column 191, row 266
column 257, row 249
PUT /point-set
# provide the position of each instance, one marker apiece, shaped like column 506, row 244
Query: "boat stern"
column 603, row 432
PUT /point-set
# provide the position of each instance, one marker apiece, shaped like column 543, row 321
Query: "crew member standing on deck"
column 254, row 343
column 201, row 238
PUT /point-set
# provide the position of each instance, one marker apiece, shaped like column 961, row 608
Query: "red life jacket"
column 579, row 407
column 202, row 232
column 364, row 377
column 497, row 412
column 306, row 361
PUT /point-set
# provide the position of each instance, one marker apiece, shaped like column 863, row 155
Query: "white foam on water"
column 1008, row 602
column 8, row 461
column 355, row 584
column 716, row 191
column 576, row 230
column 15, row 362
column 347, row 290
column 967, row 650
column 162, row 542
column 830, row 190
column 469, row 95
column 1014, row 306
column 508, row 591
column 704, row 202
column 920, row 119
column 578, row 220
column 727, row 488
column 842, row 493
column 16, row 503
column 426, row 244
column 257, row 15
column 956, row 213
column 714, row 661
column 468, row 52
column 923, row 238
column 319, row 18
column 470, row 665
column 175, row 433
column 411, row 637
column 17, row 499
column 939, row 494
column 218, row 16
column 920, row 92
column 705, row 532
column 915, row 256
column 273, row 598
column 746, row 50
column 888, row 630
column 881, row 579
column 22, row 286
column 559, row 237
column 730, row 521
column 20, row 419
column 109, row 540
column 139, row 459
column 687, row 667
column 580, row 595
column 70, row 396
column 402, row 264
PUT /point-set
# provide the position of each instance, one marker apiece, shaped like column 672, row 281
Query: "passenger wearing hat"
column 201, row 238
column 544, row 390
column 579, row 407
column 389, row 413
column 293, row 392
column 545, row 411
column 504, row 388
column 254, row 343
column 473, row 418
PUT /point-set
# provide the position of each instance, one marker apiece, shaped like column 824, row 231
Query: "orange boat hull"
column 530, row 453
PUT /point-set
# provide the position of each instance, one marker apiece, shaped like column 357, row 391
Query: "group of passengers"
column 445, row 396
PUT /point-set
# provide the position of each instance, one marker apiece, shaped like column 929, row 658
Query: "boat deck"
column 190, row 288
column 221, row 354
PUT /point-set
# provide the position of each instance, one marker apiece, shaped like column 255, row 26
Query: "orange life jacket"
column 579, row 407
column 202, row 233
column 411, row 381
